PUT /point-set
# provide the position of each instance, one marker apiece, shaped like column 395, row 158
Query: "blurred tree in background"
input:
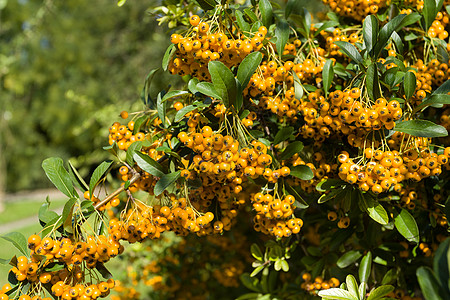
column 65, row 68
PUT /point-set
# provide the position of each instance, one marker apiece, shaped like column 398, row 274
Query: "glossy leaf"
column 206, row 4
column 325, row 25
column 407, row 226
column 327, row 76
column 168, row 55
column 18, row 240
column 208, row 89
column 299, row 201
column 98, row 174
column 409, row 84
column 291, row 149
column 298, row 88
column 390, row 276
column 134, row 147
column 429, row 284
column 421, row 128
column 58, row 175
column 248, row 67
column 348, row 258
column 66, row 217
column 351, row 51
column 283, row 134
column 331, row 195
column 370, row 32
column 302, row 172
column 243, row 25
column 192, row 85
column 352, row 286
column 224, row 82
column 433, row 100
column 375, row 210
column 335, row 293
column 256, row 252
column 282, row 35
column 266, row 12
column 161, row 108
column 76, row 178
column 182, row 112
column 441, row 265
column 372, row 82
column 365, row 267
column 165, row 181
column 380, row 292
column 145, row 95
column 173, row 94
column 148, row 164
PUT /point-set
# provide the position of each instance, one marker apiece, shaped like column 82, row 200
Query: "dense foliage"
column 299, row 160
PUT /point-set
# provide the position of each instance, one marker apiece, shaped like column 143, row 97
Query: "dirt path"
column 38, row 195
column 16, row 225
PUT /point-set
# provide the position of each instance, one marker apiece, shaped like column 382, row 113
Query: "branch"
column 133, row 179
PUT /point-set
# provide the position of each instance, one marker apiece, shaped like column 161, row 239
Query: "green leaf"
column 397, row 41
column 106, row 274
column 18, row 240
column 192, row 85
column 206, row 4
column 429, row 284
column 58, row 175
column 266, row 12
column 138, row 124
column 390, row 276
column 145, row 95
column 409, row 84
column 348, row 258
column 277, row 265
column 335, row 293
column 148, row 164
column 395, row 24
column 66, row 217
column 224, row 82
column 370, row 32
column 298, row 88
column 407, row 226
column 284, row 265
column 168, row 55
column 429, row 12
column 134, row 147
column 327, row 76
column 120, row 3
column 331, row 195
column 256, row 252
column 328, row 184
column 303, row 172
column 372, row 82
column 380, row 292
column 443, row 89
column 441, row 265
column 283, row 134
column 253, row 17
column 76, row 178
column 290, row 6
column 249, row 296
column 248, row 67
column 432, row 100
column 325, row 25
column 442, row 54
column 46, row 215
column 243, row 25
column 165, row 181
column 173, row 94
column 291, row 149
column 352, row 285
column 98, row 174
column 208, row 89
column 282, row 35
column 161, row 108
column 365, row 267
column 375, row 210
column 421, row 128
column 250, row 282
column 182, row 112
column 299, row 201
column 256, row 271
column 351, row 51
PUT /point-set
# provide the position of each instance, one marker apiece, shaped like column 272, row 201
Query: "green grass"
column 7, row 250
column 23, row 209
